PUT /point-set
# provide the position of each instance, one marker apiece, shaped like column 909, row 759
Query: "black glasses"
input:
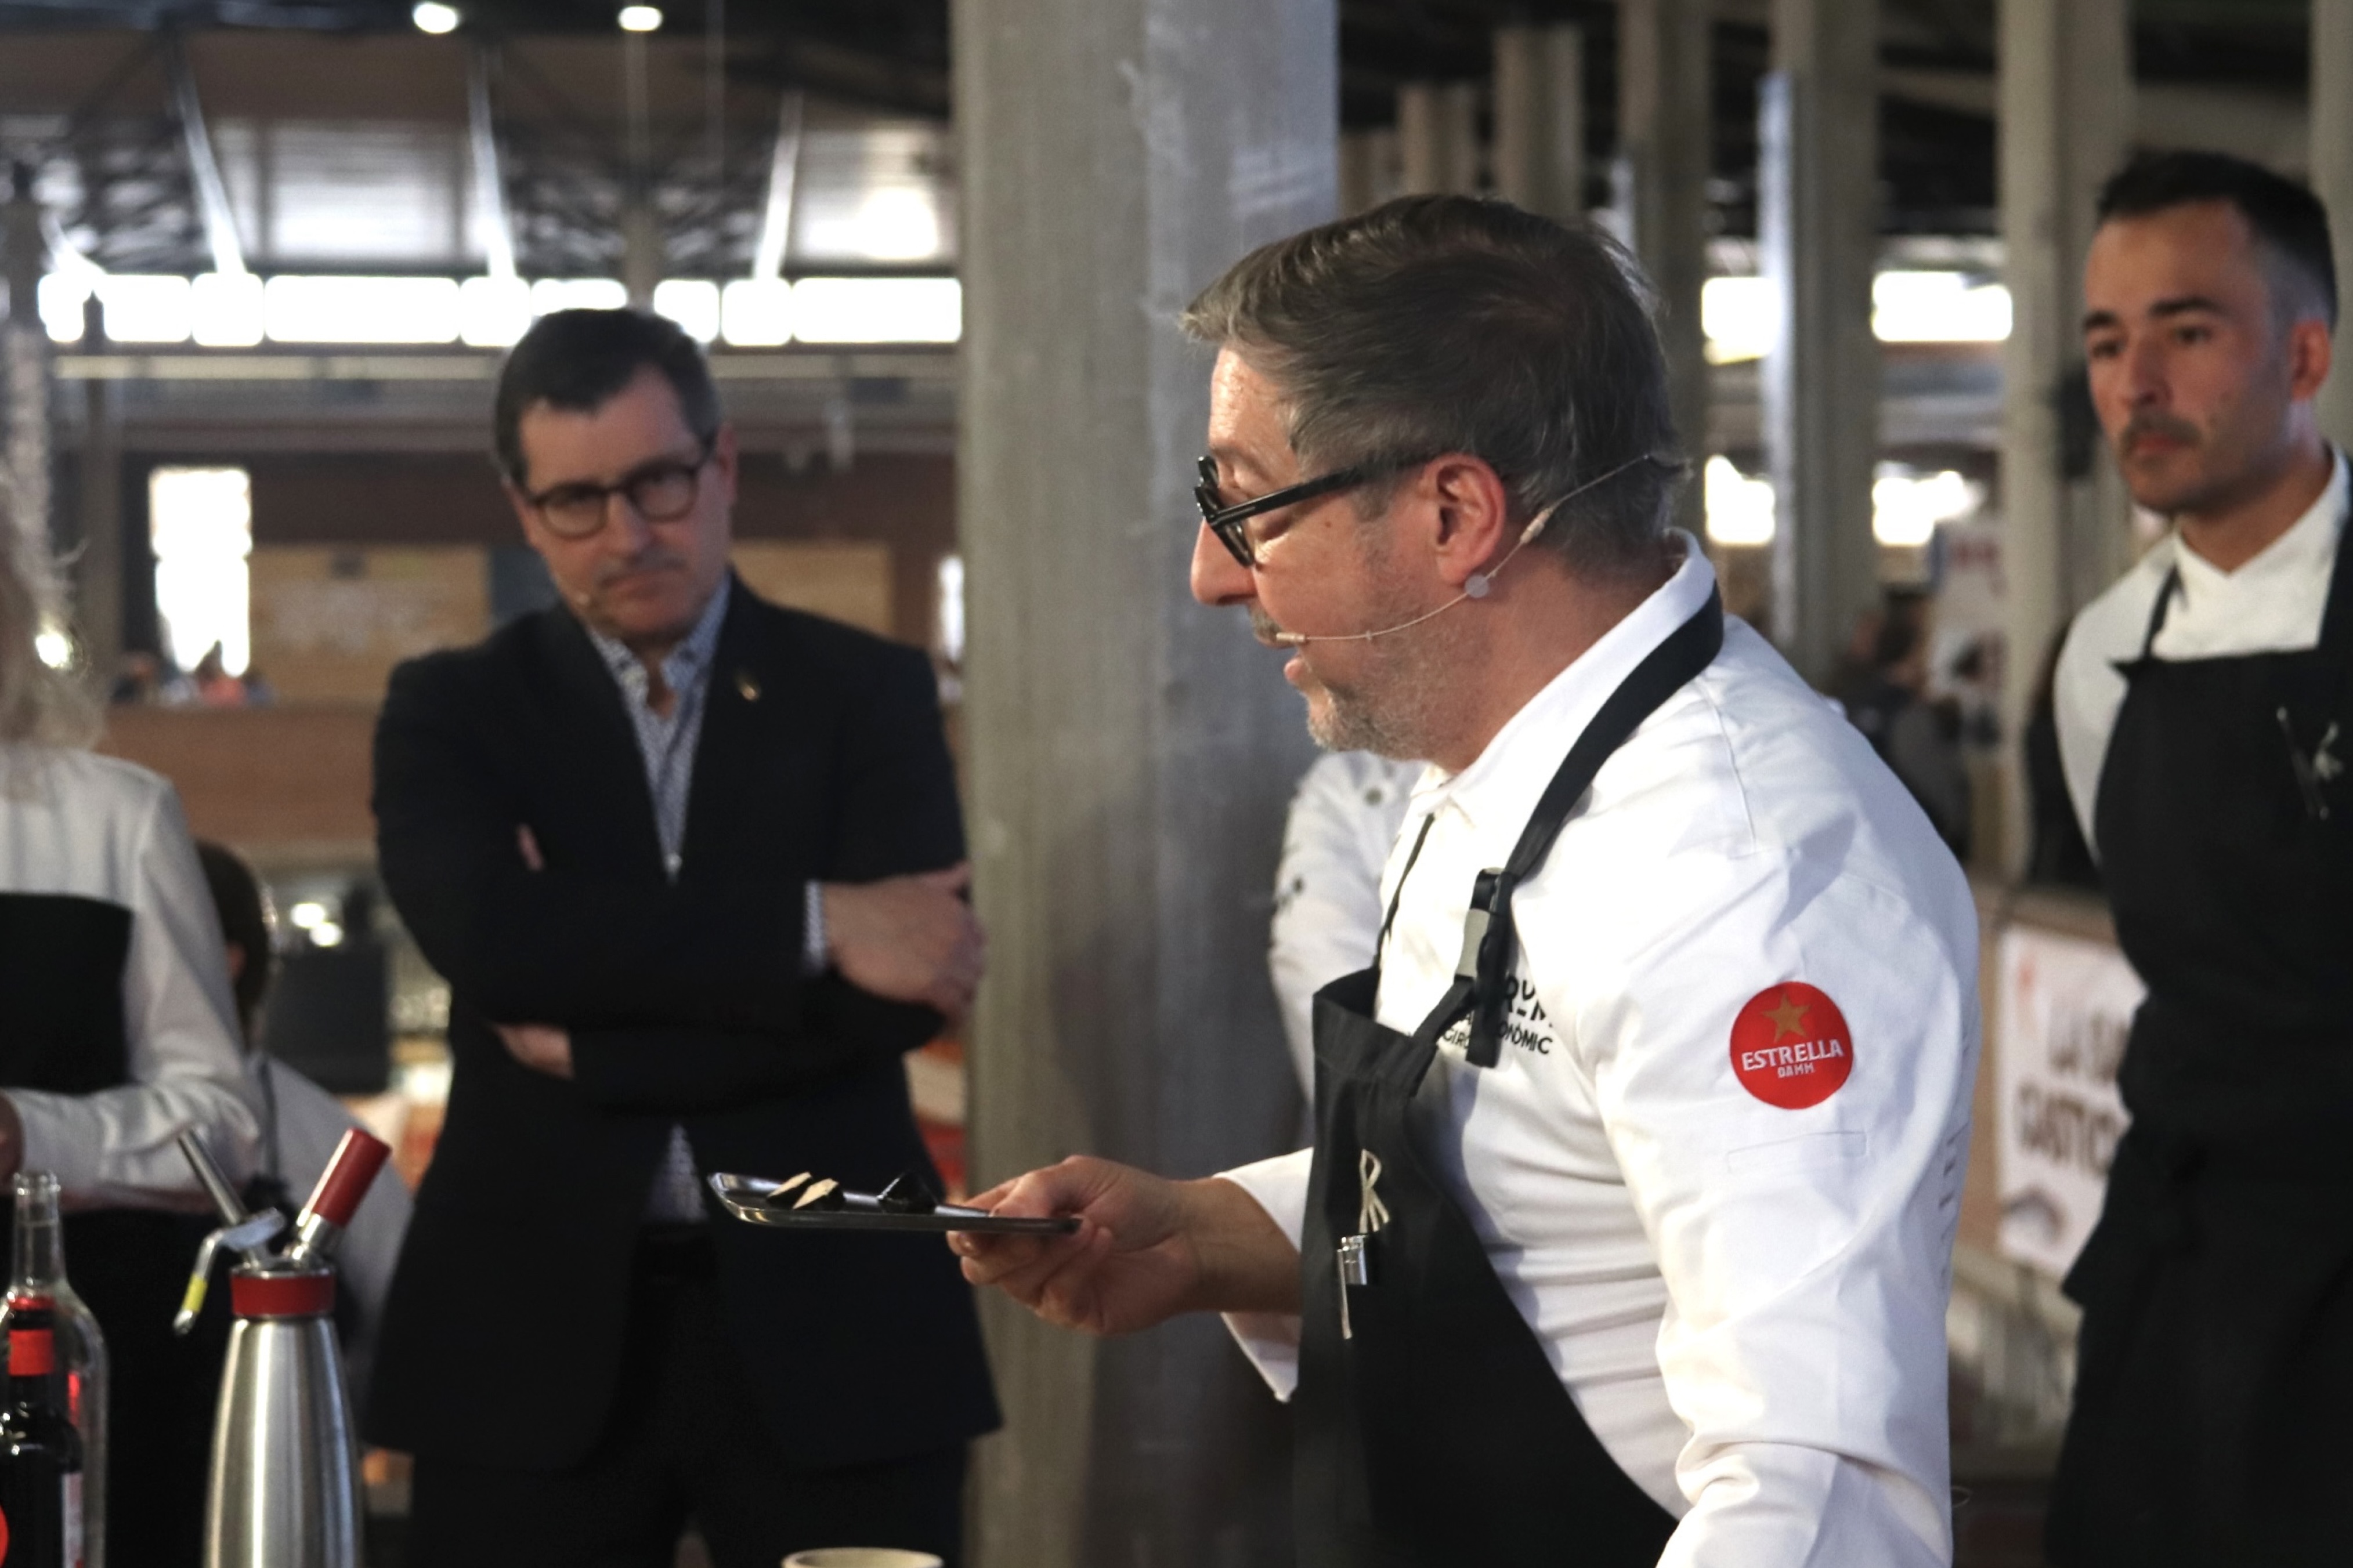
column 1225, row 521
column 660, row 491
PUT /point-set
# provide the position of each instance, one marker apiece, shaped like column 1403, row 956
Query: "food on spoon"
column 823, row 1194
column 776, row 1194
column 906, row 1194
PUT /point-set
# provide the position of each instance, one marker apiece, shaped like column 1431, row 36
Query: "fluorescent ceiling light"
column 228, row 310
column 493, row 312
column 62, row 297
column 577, row 294
column 146, row 309
column 1906, row 508
column 898, row 224
column 693, row 303
column 315, row 310
column 878, row 310
column 1939, row 308
column 639, row 18
column 1741, row 318
column 432, row 16
column 1739, row 508
column 756, row 312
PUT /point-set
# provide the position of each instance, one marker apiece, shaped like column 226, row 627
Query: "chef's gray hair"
column 1438, row 324
column 46, row 706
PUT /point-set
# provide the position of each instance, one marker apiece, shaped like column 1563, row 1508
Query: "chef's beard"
column 1393, row 704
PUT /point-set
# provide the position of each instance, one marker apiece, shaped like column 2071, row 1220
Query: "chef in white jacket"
column 1327, row 887
column 120, row 1034
column 1626, row 1238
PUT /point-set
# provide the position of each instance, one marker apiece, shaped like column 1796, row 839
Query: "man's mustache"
column 2160, row 425
column 1264, row 626
column 651, row 560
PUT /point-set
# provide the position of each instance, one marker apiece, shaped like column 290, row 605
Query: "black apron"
column 2213, row 1414
column 1432, row 1429
column 61, row 964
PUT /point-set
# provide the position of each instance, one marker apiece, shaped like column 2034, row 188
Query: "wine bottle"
column 40, row 1452
column 37, row 1271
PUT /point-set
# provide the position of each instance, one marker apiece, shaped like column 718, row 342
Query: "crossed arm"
column 589, row 974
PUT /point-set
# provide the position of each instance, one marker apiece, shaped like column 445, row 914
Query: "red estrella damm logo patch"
column 1791, row 1046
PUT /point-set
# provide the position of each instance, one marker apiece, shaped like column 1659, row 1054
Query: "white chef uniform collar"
column 1503, row 786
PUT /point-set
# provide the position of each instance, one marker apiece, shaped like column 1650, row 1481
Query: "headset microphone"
column 1479, row 585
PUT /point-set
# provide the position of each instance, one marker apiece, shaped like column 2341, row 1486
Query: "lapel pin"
column 749, row 687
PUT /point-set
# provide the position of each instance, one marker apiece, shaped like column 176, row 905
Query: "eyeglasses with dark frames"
column 662, row 490
column 1226, row 521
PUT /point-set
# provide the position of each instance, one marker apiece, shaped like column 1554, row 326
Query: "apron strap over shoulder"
column 1381, row 943
column 1490, row 938
column 2157, row 612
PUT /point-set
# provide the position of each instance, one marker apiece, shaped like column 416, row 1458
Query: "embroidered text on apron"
column 2216, row 1358
column 1432, row 1428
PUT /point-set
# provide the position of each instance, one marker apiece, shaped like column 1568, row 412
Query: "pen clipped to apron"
column 1354, row 1252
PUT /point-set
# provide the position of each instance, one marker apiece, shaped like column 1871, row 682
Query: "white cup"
column 861, row 1557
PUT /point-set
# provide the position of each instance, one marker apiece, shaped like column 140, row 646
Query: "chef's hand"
column 908, row 939
column 543, row 1047
column 1146, row 1248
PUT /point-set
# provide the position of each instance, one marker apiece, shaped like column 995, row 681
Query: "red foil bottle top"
column 345, row 1180
column 32, row 1352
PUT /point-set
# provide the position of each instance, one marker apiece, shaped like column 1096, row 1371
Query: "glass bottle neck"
column 39, row 1256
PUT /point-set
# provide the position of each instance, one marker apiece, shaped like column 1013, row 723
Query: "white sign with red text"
column 2065, row 1008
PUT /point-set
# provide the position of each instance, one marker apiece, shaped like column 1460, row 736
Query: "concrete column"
column 2332, row 182
column 2065, row 111
column 641, row 237
column 1368, row 169
column 1540, row 118
column 1818, row 222
column 1664, row 126
column 1438, row 137
column 1131, row 753
column 24, row 363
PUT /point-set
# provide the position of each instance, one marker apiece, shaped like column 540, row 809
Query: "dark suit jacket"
column 821, row 758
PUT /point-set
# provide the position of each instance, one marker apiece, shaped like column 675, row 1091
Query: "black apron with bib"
column 62, row 1029
column 2213, row 1416
column 1432, row 1429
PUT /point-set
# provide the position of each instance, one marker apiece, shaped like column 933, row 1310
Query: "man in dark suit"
column 692, row 866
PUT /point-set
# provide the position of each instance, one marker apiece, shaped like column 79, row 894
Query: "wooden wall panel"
column 329, row 624
column 275, row 783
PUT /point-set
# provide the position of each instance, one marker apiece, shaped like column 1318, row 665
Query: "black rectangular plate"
column 744, row 1196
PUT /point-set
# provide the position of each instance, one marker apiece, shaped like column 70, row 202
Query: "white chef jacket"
column 71, row 822
column 1746, row 1302
column 2273, row 603
column 1327, row 887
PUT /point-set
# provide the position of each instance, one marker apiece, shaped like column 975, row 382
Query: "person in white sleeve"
column 1626, row 1238
column 1327, row 887
column 120, row 1034
column 2205, row 714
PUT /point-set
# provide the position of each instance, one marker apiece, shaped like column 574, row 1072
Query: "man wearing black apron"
column 118, row 1035
column 1626, row 1237
column 2205, row 703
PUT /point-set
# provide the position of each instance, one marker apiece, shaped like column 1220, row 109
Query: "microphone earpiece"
column 1479, row 585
